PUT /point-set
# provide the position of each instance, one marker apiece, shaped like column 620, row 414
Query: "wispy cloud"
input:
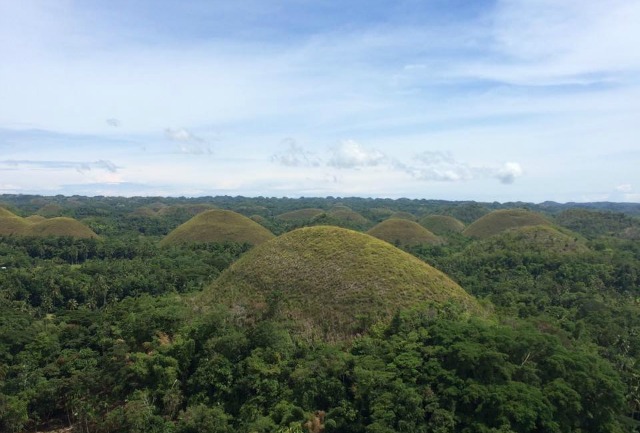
column 295, row 156
column 113, row 122
column 80, row 166
column 188, row 142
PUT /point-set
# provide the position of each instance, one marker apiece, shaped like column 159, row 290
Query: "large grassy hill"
column 403, row 232
column 442, row 224
column 504, row 219
column 218, row 226
column 331, row 282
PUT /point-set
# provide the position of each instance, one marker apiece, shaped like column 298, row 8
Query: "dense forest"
column 121, row 333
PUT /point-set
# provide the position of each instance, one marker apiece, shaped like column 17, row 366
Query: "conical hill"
column 60, row 226
column 504, row 219
column 533, row 239
column 403, row 232
column 442, row 224
column 218, row 225
column 329, row 281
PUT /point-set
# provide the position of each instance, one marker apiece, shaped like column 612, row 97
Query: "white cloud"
column 295, row 156
column 188, row 142
column 351, row 154
column 181, row 135
column 508, row 173
column 440, row 166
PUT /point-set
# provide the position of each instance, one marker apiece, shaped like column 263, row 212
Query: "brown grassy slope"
column 326, row 280
column 6, row 213
column 442, row 224
column 34, row 218
column 300, row 215
column 403, row 232
column 343, row 213
column 504, row 219
column 218, row 226
column 60, row 226
column 404, row 215
column 11, row 224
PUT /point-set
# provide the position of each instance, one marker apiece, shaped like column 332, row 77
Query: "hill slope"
column 538, row 239
column 300, row 215
column 60, row 226
column 442, row 224
column 504, row 219
column 403, row 232
column 331, row 282
column 218, row 226
column 36, row 225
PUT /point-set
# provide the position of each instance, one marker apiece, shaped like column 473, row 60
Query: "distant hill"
column 36, row 225
column 300, row 215
column 403, row 232
column 504, row 219
column 539, row 239
column 218, row 226
column 184, row 209
column 331, row 282
column 60, row 226
column 592, row 223
column 441, row 224
column 403, row 215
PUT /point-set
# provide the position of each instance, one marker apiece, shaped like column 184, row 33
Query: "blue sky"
column 486, row 100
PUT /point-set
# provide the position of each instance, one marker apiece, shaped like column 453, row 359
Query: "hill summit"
column 331, row 282
column 504, row 219
column 218, row 225
column 403, row 232
column 442, row 224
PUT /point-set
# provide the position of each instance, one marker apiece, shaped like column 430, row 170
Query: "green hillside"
column 503, row 219
column 330, row 282
column 592, row 223
column 538, row 239
column 300, row 215
column 442, row 224
column 403, row 232
column 218, row 226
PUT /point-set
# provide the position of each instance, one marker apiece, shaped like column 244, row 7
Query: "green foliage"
column 110, row 334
